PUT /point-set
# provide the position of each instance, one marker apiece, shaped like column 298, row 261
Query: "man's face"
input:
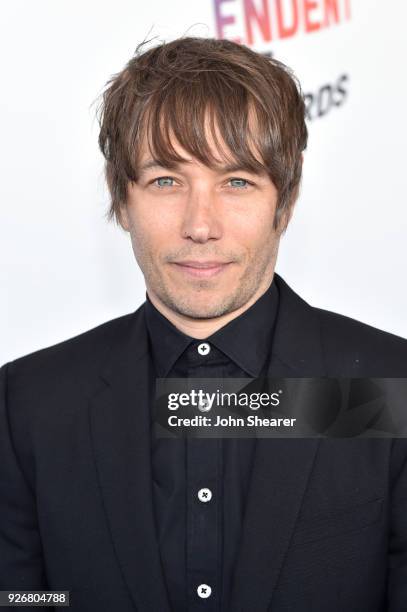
column 198, row 214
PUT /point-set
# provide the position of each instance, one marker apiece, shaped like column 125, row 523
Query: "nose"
column 201, row 221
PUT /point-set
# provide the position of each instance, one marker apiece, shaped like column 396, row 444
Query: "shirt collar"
column 245, row 340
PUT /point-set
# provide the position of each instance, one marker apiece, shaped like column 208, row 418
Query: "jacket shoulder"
column 346, row 347
column 372, row 351
column 84, row 351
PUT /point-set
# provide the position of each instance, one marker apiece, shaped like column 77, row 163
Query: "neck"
column 203, row 328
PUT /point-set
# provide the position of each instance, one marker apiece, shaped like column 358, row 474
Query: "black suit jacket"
column 326, row 519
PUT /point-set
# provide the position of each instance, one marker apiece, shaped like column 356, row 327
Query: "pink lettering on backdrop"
column 331, row 12
column 309, row 7
column 285, row 30
column 262, row 18
column 268, row 20
column 222, row 20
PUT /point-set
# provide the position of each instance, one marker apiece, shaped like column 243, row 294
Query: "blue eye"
column 165, row 179
column 241, row 180
column 168, row 181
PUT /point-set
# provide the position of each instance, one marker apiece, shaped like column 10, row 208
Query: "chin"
column 201, row 314
column 208, row 309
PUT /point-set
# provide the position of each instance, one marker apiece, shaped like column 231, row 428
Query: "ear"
column 289, row 214
column 123, row 218
column 285, row 220
column 286, row 216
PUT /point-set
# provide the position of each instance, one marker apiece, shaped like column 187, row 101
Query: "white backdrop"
column 65, row 269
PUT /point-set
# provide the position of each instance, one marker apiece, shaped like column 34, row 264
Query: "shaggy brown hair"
column 173, row 87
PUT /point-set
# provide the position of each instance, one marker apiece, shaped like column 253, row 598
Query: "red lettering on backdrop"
column 251, row 14
column 284, row 30
column 347, row 9
column 309, row 6
column 331, row 10
column 222, row 20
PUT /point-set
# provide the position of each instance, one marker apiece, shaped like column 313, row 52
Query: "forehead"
column 218, row 156
column 150, row 164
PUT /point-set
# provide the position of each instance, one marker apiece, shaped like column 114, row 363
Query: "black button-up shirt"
column 199, row 539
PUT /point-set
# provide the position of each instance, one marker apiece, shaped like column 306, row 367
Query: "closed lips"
column 205, row 264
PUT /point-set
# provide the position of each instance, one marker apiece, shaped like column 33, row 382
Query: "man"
column 203, row 141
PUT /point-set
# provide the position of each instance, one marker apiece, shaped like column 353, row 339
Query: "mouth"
column 201, row 270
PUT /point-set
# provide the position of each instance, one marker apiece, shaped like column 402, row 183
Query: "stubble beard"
column 203, row 301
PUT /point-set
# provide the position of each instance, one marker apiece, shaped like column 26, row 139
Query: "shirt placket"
column 204, row 495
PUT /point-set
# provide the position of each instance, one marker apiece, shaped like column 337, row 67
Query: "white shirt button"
column 204, row 348
column 204, row 495
column 204, row 406
column 204, row 591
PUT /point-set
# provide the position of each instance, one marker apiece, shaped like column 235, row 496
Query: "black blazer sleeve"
column 21, row 559
column 397, row 549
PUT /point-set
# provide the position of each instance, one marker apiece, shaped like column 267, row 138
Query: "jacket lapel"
column 281, row 467
column 120, row 431
column 121, row 438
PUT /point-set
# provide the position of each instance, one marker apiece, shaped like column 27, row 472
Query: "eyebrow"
column 232, row 167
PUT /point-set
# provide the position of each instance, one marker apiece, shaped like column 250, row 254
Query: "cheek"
column 150, row 215
column 251, row 229
column 255, row 213
column 149, row 232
